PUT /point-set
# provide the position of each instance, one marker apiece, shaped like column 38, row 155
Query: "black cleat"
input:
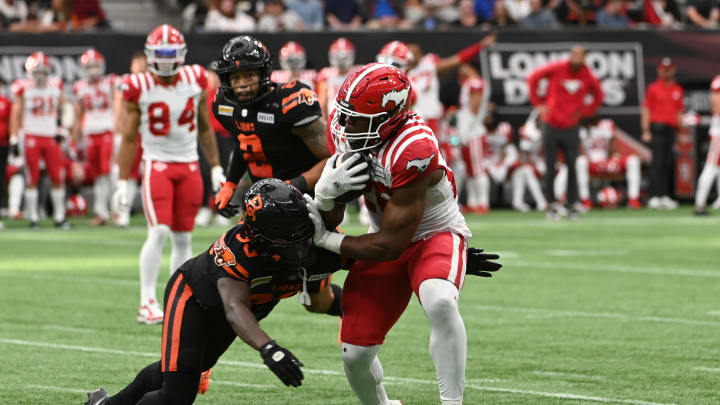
column 33, row 225
column 64, row 225
column 98, row 397
column 700, row 212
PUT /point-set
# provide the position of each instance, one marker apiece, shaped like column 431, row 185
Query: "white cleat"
column 395, row 402
column 668, row 203
column 655, row 203
column 150, row 313
column 716, row 204
column 521, row 207
column 203, row 216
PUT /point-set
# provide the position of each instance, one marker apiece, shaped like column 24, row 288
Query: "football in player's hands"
column 352, row 194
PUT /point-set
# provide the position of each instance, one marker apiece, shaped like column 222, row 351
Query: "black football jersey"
column 231, row 256
column 264, row 130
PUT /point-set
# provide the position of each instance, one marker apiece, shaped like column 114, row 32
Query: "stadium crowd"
column 343, row 15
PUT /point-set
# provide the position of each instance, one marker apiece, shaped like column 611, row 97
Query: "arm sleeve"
column 597, row 95
column 414, row 161
column 681, row 100
column 18, row 88
column 201, row 76
column 130, row 88
column 648, row 97
column 534, row 79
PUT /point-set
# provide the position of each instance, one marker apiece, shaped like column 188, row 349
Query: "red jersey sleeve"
column 414, row 160
column 533, row 80
column 476, row 85
column 201, row 75
column 596, row 91
column 649, row 96
column 18, row 88
column 680, row 101
column 130, row 88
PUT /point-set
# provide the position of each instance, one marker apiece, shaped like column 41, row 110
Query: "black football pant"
column 567, row 140
column 662, row 171
column 193, row 339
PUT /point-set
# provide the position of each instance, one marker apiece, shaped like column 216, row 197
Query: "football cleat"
column 33, row 225
column 63, row 225
column 204, row 384
column 586, row 205
column 655, row 203
column 634, row 203
column 668, row 203
column 150, row 313
column 98, row 221
column 522, row 207
column 716, row 204
column 98, row 397
column 700, row 212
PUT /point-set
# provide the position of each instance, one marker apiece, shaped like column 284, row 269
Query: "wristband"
column 333, row 242
column 324, row 204
column 300, row 183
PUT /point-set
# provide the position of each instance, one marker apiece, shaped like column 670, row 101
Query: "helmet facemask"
column 360, row 140
column 94, row 69
column 342, row 59
column 165, row 60
column 293, row 63
column 39, row 76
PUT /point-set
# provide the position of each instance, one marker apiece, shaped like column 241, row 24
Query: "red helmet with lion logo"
column 378, row 92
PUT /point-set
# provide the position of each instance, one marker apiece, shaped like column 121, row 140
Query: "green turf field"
column 619, row 307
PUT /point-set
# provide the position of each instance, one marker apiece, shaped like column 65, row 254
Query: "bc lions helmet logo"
column 224, row 256
column 398, row 96
column 419, row 164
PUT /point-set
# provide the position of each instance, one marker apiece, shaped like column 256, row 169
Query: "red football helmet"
column 379, row 93
column 396, row 53
column 342, row 54
column 292, row 57
column 93, row 63
column 608, row 197
column 37, row 67
column 165, row 49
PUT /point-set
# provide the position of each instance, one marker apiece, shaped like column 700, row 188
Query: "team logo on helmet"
column 254, row 204
column 397, row 96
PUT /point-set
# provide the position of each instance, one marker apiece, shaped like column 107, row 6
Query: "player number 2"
column 159, row 117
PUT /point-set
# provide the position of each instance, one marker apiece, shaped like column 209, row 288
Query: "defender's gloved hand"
column 479, row 264
column 283, row 363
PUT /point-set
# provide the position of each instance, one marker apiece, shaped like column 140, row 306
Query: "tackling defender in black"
column 278, row 126
column 225, row 291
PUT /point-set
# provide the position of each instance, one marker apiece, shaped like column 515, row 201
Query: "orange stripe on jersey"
column 166, row 321
column 242, row 271
column 290, row 98
column 177, row 324
column 289, row 107
column 231, row 272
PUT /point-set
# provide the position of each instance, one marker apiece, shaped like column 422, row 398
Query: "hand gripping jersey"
column 96, row 98
column 231, row 256
column 426, row 86
column 409, row 155
column 264, row 130
column 306, row 76
column 168, row 113
column 40, row 108
column 333, row 81
column 596, row 140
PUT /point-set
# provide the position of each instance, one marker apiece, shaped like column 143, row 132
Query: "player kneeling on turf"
column 270, row 255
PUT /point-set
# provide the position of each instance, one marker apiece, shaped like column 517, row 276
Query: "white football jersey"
column 426, row 85
column 307, row 76
column 410, row 154
column 168, row 113
column 596, row 140
column 470, row 124
column 40, row 106
column 97, row 100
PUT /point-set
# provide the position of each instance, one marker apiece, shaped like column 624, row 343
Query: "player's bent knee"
column 159, row 233
column 360, row 357
column 438, row 298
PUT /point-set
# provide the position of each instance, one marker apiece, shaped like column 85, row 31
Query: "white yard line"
column 55, row 388
column 606, row 315
column 243, row 385
column 614, row 268
column 324, row 372
column 567, row 375
column 585, row 252
column 708, row 369
column 714, row 313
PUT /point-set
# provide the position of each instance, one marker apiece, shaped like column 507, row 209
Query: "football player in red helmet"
column 418, row 238
column 342, row 57
column 94, row 95
column 38, row 102
column 167, row 106
column 292, row 66
column 398, row 54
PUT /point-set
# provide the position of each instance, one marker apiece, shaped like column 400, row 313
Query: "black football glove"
column 283, row 363
column 15, row 150
column 229, row 211
column 59, row 138
column 479, row 264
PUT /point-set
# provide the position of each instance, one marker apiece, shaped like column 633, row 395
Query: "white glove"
column 217, row 176
column 322, row 238
column 715, row 125
column 336, row 181
column 120, row 201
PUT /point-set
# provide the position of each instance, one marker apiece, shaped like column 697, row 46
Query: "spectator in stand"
column 468, row 16
column 500, row 15
column 275, row 17
column 539, row 17
column 570, row 84
column 517, row 10
column 613, row 15
column 343, row 14
column 85, row 15
column 384, row 14
column 484, row 9
column 11, row 12
column 311, row 12
column 704, row 13
column 42, row 20
column 661, row 13
column 661, row 119
column 226, row 16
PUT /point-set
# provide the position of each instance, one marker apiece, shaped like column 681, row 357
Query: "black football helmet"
column 277, row 224
column 244, row 53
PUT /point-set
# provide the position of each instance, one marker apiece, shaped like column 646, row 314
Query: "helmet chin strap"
column 304, row 297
